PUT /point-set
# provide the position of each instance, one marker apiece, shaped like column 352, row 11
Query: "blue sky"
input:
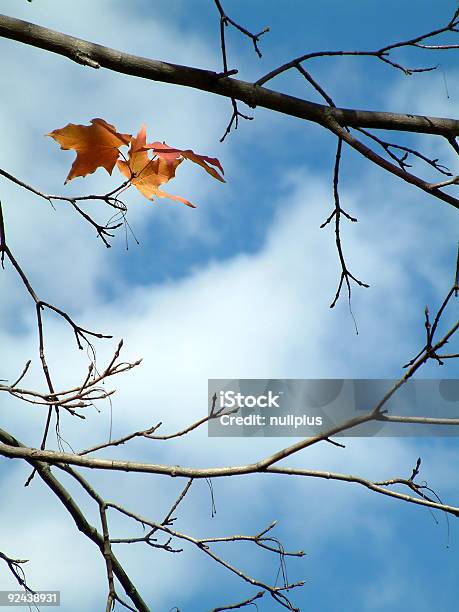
column 239, row 287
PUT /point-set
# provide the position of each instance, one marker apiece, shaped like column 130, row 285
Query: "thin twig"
column 380, row 54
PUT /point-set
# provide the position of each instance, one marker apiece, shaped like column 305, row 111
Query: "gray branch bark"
column 98, row 56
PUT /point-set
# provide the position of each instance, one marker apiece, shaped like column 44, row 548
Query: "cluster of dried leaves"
column 146, row 166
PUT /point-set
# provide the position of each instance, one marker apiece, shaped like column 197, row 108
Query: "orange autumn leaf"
column 147, row 167
column 96, row 146
column 166, row 152
column 146, row 174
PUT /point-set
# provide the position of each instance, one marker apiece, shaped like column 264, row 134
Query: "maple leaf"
column 148, row 174
column 164, row 151
column 96, row 145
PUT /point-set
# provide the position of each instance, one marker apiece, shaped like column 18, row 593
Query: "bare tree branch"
column 111, row 198
column 380, row 54
column 78, row 397
column 81, row 51
column 337, row 129
column 79, row 518
column 241, row 604
column 202, row 544
column 15, row 567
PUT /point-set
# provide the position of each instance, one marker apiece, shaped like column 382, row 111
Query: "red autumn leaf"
column 168, row 153
column 96, row 145
column 148, row 174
